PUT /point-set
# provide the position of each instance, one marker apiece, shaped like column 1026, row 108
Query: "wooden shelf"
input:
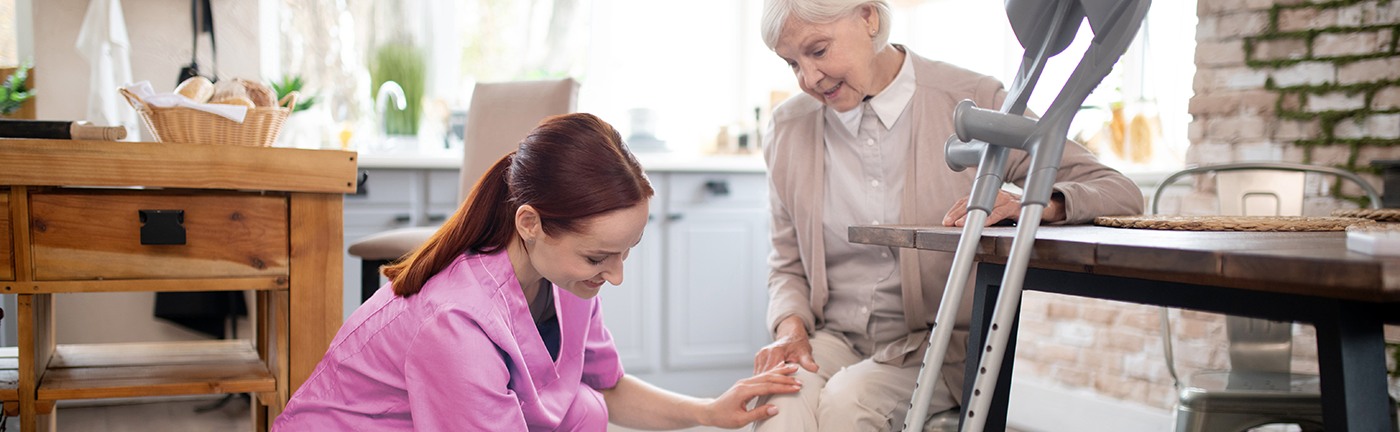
column 94, row 371
column 9, row 374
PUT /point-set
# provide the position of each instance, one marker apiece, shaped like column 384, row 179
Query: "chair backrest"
column 1260, row 193
column 1371, row 193
column 502, row 114
column 1259, row 189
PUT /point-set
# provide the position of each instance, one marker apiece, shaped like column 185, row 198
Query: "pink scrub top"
column 461, row 355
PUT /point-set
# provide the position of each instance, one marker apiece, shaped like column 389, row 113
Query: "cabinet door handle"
column 674, row 216
column 436, row 217
column 717, row 187
column 162, row 227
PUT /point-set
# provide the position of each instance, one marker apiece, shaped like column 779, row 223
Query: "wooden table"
column 83, row 216
column 1307, row 277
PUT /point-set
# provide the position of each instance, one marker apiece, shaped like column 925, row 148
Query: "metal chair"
column 501, row 114
column 1260, row 387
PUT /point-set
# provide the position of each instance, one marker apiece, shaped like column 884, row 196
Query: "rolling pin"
column 47, row 129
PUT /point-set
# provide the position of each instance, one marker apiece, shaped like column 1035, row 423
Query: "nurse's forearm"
column 636, row 404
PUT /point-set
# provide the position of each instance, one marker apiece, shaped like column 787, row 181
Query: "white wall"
column 160, row 44
column 159, row 31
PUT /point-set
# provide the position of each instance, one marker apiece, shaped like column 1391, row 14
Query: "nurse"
column 494, row 324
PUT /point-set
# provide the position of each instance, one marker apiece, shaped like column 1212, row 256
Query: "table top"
column 33, row 162
column 1308, row 263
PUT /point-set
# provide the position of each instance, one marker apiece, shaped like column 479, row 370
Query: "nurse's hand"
column 791, row 346
column 730, row 411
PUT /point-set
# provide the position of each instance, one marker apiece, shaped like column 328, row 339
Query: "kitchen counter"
column 672, row 162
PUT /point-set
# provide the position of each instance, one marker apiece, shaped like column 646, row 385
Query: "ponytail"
column 569, row 168
column 483, row 224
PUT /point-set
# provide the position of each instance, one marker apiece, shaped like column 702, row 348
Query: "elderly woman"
column 864, row 145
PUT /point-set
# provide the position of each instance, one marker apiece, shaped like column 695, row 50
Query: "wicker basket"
column 187, row 125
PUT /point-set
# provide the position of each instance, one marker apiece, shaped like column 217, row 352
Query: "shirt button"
column 874, row 183
column 875, row 222
column 884, row 254
column 864, row 310
column 869, row 141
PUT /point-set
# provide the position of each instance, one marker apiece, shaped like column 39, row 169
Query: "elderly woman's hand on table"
column 1008, row 206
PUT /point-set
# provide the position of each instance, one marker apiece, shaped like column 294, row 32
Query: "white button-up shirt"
column 866, row 158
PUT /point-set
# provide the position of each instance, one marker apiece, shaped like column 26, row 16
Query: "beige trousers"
column 848, row 392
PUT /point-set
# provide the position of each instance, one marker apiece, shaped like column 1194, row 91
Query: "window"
column 701, row 65
column 1152, row 79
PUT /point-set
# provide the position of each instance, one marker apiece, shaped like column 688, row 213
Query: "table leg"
column 316, row 307
column 1351, row 359
column 984, row 300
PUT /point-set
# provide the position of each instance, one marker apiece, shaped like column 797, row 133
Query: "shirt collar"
column 889, row 103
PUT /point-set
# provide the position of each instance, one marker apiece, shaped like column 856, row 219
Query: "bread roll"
column 259, row 93
column 228, row 89
column 235, row 101
column 197, row 88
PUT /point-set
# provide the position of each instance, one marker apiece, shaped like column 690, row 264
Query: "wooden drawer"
column 7, row 256
column 96, row 234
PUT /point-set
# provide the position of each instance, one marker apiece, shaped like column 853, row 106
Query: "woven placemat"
column 1232, row 223
column 1382, row 215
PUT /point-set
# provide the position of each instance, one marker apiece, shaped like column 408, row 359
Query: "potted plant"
column 403, row 64
column 13, row 93
column 302, row 128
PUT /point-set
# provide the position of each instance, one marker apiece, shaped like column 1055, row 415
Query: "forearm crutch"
column 1044, row 28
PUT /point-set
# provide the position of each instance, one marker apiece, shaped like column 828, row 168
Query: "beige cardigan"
column 794, row 153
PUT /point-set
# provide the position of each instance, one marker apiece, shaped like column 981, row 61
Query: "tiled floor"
column 180, row 416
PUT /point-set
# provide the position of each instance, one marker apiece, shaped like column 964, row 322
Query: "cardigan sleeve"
column 1090, row 188
column 789, row 293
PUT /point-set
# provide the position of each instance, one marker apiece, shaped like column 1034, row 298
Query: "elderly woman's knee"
column 864, row 381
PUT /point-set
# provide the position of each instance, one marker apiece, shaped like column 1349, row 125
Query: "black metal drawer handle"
column 717, row 187
column 162, row 227
column 432, row 218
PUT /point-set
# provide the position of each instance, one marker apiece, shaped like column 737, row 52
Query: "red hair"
column 570, row 168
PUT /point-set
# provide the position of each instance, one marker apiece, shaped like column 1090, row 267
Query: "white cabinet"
column 694, row 317
column 717, row 234
column 689, row 315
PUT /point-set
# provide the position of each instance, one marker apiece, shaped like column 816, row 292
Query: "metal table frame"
column 1350, row 336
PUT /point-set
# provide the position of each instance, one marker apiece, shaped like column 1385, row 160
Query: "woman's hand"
column 792, row 346
column 730, row 411
column 1008, row 206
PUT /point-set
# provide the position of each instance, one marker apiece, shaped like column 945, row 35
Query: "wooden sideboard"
column 85, row 216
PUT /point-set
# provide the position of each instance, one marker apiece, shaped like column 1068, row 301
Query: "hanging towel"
column 104, row 44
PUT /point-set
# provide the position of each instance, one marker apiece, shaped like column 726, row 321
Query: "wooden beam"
column 175, row 165
column 145, row 285
column 7, row 261
column 36, row 346
column 316, row 285
column 19, row 220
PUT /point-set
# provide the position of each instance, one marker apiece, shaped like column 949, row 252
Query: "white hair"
column 776, row 13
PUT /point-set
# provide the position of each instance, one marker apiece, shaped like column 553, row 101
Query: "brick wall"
column 1276, row 80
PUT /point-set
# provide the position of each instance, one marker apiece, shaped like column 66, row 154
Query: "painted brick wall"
column 1276, row 80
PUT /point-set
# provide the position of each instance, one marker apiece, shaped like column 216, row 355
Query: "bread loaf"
column 235, row 101
column 197, row 88
column 228, row 89
column 261, row 95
